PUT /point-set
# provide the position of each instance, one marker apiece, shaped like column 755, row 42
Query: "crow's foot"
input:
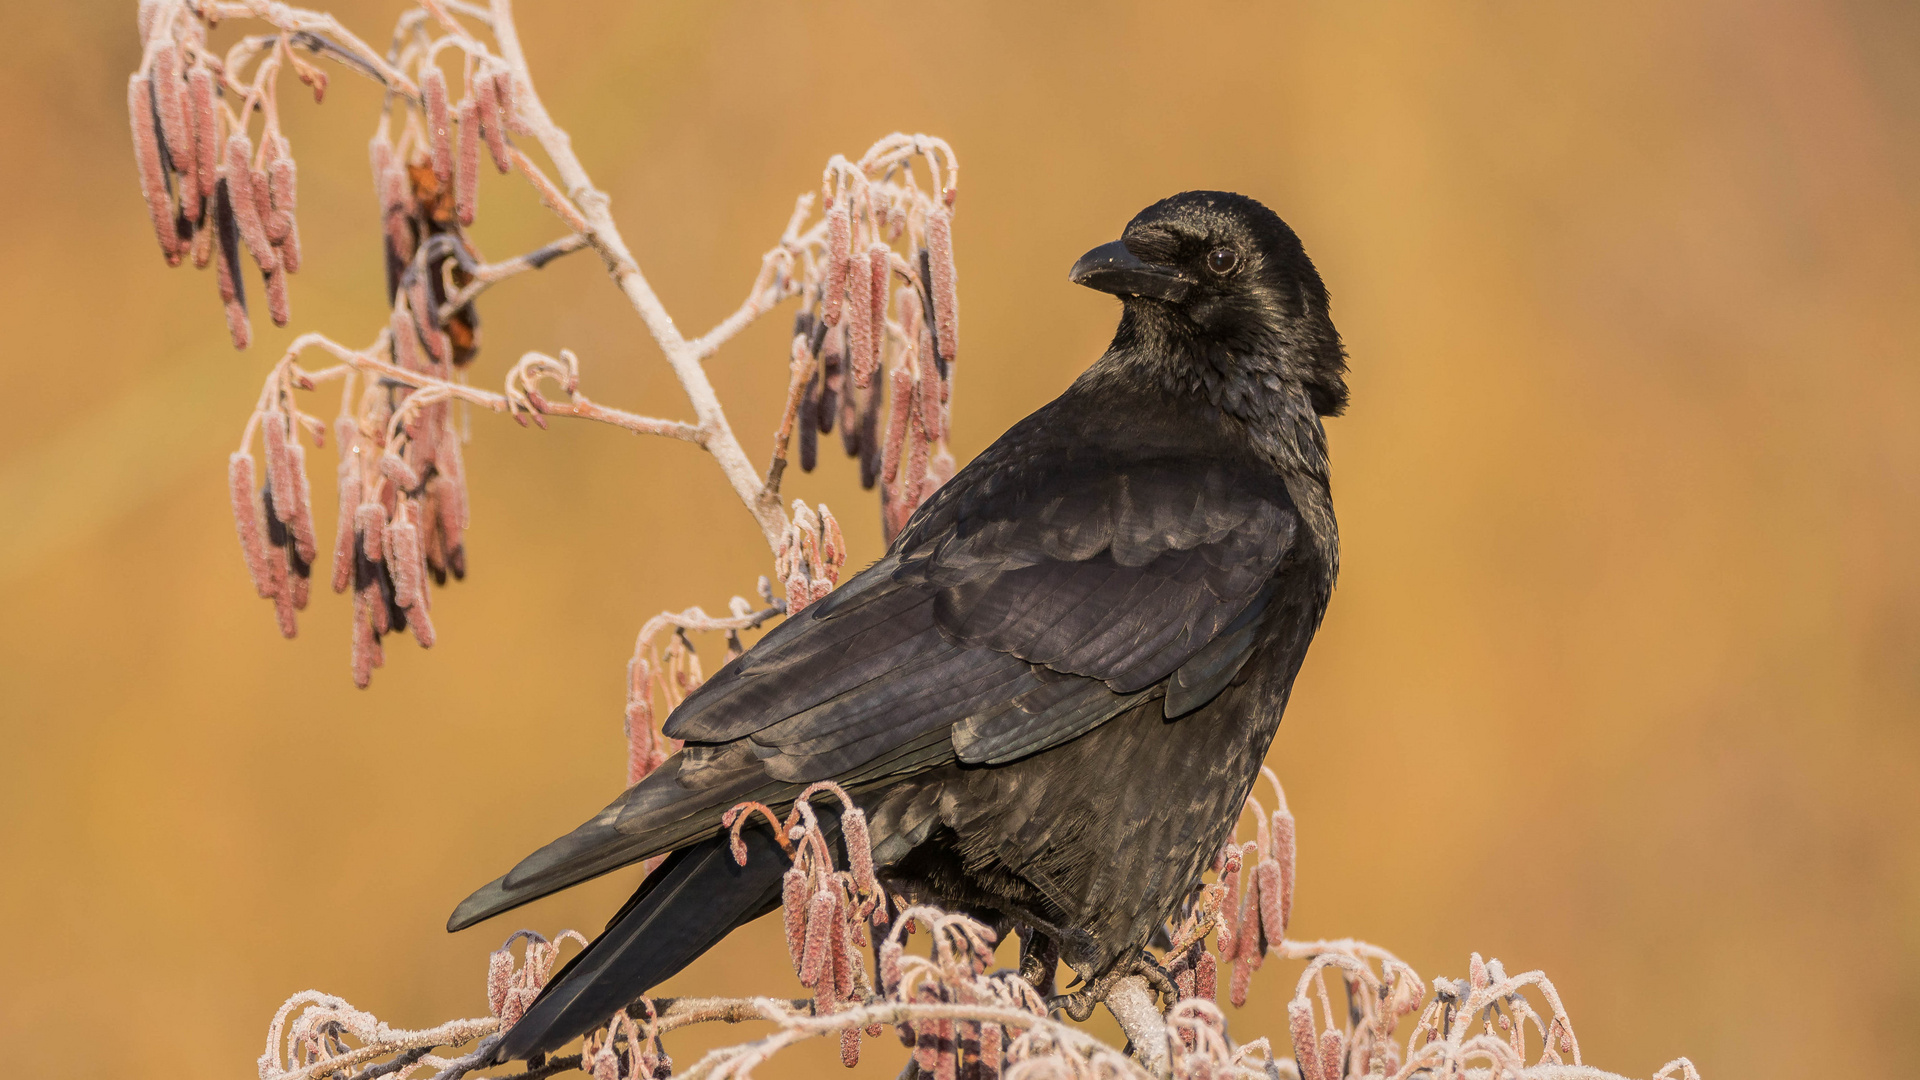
column 1079, row 1004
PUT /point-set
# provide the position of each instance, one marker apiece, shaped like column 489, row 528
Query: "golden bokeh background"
column 1620, row 680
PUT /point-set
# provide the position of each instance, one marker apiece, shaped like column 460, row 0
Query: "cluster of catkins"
column 402, row 475
column 624, row 1050
column 512, row 989
column 955, row 973
column 827, row 910
column 858, row 339
column 810, row 556
column 428, row 187
column 209, row 191
column 274, row 519
column 1265, row 905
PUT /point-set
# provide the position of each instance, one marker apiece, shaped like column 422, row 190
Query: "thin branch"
column 682, row 355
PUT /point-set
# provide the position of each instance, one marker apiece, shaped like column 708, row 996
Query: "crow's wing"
column 1073, row 570
column 1033, row 598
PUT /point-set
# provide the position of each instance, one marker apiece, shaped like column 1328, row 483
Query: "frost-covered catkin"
column 466, row 187
column 486, row 93
column 349, row 478
column 1306, row 1048
column 153, row 178
column 206, row 130
column 283, row 192
column 946, row 297
column 433, row 92
column 246, row 519
column 839, row 261
column 860, row 329
column 246, row 207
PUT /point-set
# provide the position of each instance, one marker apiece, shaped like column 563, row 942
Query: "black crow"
column 1053, row 694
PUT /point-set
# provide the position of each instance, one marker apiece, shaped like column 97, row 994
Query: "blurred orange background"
column 1620, row 680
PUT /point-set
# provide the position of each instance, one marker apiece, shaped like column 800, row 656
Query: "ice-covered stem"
column 603, row 234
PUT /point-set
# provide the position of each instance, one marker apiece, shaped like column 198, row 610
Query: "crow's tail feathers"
column 689, row 902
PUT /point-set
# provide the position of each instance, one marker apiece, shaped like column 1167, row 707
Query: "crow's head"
column 1224, row 276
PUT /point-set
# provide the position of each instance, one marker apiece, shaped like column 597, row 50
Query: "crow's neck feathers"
column 1255, row 380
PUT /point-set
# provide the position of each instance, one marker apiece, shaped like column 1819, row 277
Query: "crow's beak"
column 1111, row 268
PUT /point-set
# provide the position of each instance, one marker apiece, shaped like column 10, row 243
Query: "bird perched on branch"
column 1053, row 694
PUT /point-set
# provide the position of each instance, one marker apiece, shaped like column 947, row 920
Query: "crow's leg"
column 1039, row 959
column 1138, row 961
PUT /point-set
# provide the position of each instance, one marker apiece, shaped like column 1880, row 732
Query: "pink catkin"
column 206, row 130
column 503, row 92
column 1206, row 977
column 362, row 654
column 466, row 187
column 860, row 327
column 946, row 1066
column 946, row 301
column 246, row 210
column 901, row 405
column 278, row 306
column 273, row 431
column 850, row 1047
column 283, row 592
column 1267, row 883
column 246, row 519
column 421, row 625
column 839, row 260
column 239, row 328
column 371, row 521
column 403, row 475
column 433, row 92
column 343, row 533
column 1332, row 1049
column 169, row 100
column 282, row 187
column 880, row 274
column 820, row 929
column 499, row 978
column 1306, row 1048
column 406, row 341
column 404, row 540
column 153, row 179
column 913, row 486
column 486, row 93
column 301, row 509
column 1283, row 853
column 927, row 393
column 794, row 899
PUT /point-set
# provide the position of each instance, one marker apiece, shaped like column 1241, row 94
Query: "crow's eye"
column 1222, row 260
